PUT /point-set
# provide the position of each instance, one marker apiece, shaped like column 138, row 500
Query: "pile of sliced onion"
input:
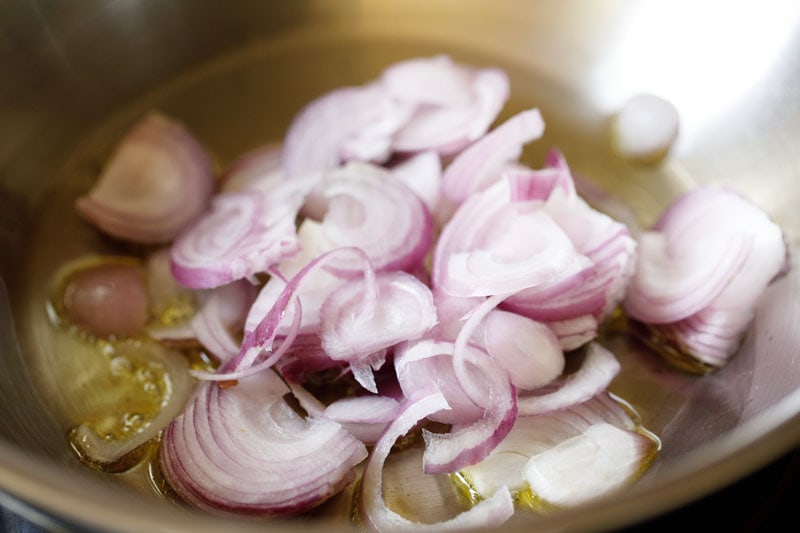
column 701, row 271
column 473, row 326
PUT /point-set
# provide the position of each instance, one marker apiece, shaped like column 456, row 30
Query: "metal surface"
column 77, row 74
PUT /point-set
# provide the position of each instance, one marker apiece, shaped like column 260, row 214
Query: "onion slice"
column 243, row 450
column 472, row 169
column 597, row 370
column 244, row 234
column 491, row 512
column 158, row 179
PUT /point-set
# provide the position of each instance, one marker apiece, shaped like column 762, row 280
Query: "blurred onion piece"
column 645, row 127
column 158, row 179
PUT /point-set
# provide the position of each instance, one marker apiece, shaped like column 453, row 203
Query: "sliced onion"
column 645, row 127
column 355, row 329
column 244, row 234
column 492, row 512
column 158, row 179
column 702, row 270
column 365, row 417
column 490, row 248
column 527, row 350
column 258, row 168
column 369, row 208
column 339, row 124
column 222, row 314
column 472, row 169
column 419, row 365
column 243, row 450
column 603, row 458
column 422, row 173
column 453, row 104
column 597, row 370
column 533, row 435
column 469, row 442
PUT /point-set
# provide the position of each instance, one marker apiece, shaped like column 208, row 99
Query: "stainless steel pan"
column 76, row 74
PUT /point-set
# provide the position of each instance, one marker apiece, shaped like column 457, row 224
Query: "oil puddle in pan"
column 247, row 99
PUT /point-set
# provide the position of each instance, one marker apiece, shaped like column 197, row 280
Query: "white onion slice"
column 532, row 435
column 603, row 458
column 645, row 127
column 527, row 350
column 366, row 117
column 243, row 450
column 221, row 315
column 157, row 180
column 492, row 512
column 365, row 417
column 597, row 370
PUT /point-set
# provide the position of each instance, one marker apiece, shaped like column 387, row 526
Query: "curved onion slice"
column 470, row 441
column 453, row 104
column 698, row 291
column 489, row 248
column 340, row 124
column 221, row 315
column 533, row 436
column 365, row 417
column 371, row 209
column 176, row 386
column 527, row 350
column 158, row 179
column 598, row 369
column 492, row 512
column 244, row 234
column 243, row 450
column 603, row 458
column 355, row 328
column 471, row 169
column 422, row 174
column 428, row 362
column 257, row 168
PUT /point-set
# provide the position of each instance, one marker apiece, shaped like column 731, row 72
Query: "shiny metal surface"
column 76, row 74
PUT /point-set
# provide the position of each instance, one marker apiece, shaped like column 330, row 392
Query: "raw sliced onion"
column 491, row 512
column 603, row 458
column 158, row 179
column 453, row 104
column 365, row 417
column 243, row 450
column 472, row 169
column 645, row 127
column 701, row 271
column 244, row 234
column 355, row 328
column 533, row 435
column 597, row 370
column 369, row 208
column 221, row 315
column 527, row 350
column 489, row 248
column 340, row 125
